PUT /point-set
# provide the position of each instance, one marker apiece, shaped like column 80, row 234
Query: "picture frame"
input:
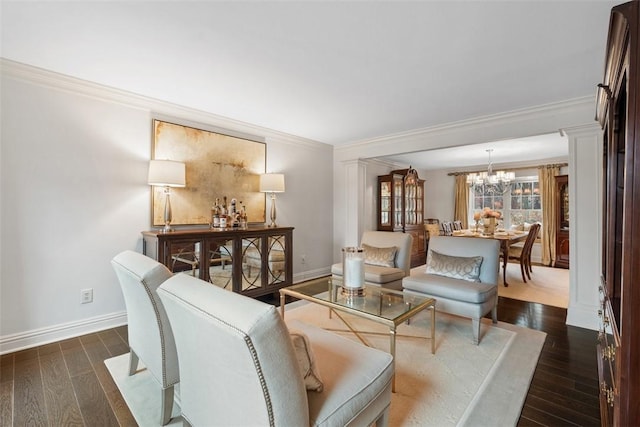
column 217, row 164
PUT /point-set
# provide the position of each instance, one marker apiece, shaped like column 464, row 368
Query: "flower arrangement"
column 490, row 217
column 487, row 213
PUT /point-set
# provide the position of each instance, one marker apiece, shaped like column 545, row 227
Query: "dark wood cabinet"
column 618, row 111
column 401, row 207
column 252, row 262
column 562, row 221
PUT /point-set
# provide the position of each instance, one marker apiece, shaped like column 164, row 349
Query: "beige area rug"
column 461, row 384
column 549, row 286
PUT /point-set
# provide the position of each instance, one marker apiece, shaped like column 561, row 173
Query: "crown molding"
column 386, row 163
column 536, row 120
column 155, row 107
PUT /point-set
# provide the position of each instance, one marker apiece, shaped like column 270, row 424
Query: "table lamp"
column 167, row 174
column 272, row 183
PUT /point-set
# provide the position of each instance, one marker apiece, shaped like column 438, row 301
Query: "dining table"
column 506, row 238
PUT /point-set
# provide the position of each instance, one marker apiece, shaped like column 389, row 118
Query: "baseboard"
column 311, row 274
column 37, row 337
column 583, row 316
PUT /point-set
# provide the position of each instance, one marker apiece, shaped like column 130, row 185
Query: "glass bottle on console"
column 215, row 214
column 223, row 213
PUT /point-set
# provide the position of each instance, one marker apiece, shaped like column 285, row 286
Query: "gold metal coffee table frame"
column 386, row 306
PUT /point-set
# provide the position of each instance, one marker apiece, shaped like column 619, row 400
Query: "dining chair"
column 447, row 228
column 432, row 230
column 523, row 253
column 457, row 225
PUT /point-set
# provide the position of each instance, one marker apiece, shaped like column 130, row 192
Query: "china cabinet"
column 253, row 262
column 618, row 111
column 562, row 221
column 401, row 207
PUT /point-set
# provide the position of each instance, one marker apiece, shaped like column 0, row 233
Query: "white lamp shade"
column 272, row 183
column 166, row 173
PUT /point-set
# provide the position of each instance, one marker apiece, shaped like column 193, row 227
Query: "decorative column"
column 585, row 228
column 354, row 193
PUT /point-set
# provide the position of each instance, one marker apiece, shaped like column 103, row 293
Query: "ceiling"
column 509, row 153
column 333, row 71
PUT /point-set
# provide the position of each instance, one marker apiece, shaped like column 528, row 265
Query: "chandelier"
column 500, row 180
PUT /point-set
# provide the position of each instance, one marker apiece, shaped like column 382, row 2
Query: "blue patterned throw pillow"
column 465, row 268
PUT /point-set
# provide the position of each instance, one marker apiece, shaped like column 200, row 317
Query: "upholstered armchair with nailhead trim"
column 150, row 335
column 239, row 365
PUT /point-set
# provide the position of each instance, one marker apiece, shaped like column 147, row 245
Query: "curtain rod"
column 511, row 169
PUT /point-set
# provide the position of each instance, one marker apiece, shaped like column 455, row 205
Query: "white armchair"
column 388, row 276
column 238, row 365
column 150, row 335
column 471, row 297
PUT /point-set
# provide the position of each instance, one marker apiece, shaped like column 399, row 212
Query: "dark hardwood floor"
column 564, row 388
column 67, row 384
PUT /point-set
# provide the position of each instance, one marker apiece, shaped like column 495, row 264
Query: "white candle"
column 354, row 272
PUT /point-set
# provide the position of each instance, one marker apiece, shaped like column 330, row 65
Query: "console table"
column 253, row 262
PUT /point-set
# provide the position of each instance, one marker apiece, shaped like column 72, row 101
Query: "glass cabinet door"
column 419, row 204
column 385, row 203
column 413, row 188
column 397, row 201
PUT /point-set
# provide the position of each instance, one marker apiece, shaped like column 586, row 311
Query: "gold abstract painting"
column 217, row 166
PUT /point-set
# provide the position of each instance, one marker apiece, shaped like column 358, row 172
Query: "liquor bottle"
column 243, row 216
column 223, row 208
column 215, row 214
column 232, row 209
column 224, row 213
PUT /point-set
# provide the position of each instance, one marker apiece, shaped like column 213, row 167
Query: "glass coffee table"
column 386, row 306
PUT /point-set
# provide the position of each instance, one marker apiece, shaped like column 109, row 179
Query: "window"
column 525, row 202
column 518, row 203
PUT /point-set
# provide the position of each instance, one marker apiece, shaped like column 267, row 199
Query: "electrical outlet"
column 303, row 259
column 86, row 296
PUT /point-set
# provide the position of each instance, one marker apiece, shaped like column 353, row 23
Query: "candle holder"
column 352, row 271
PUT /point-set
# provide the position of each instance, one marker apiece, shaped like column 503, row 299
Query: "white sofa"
column 238, row 365
column 457, row 296
column 386, row 276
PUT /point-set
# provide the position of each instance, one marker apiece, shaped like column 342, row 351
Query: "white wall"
column 439, row 195
column 74, row 159
column 366, row 189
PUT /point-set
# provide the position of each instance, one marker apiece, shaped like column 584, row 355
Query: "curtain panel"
column 546, row 178
column 461, row 206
